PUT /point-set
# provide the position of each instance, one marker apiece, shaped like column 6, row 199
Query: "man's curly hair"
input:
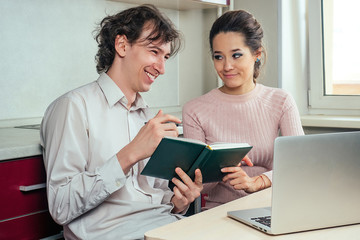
column 130, row 23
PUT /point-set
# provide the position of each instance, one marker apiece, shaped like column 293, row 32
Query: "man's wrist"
column 175, row 210
column 127, row 158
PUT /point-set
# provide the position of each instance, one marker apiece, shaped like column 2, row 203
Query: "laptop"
column 316, row 184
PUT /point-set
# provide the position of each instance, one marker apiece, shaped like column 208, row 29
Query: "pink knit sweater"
column 256, row 118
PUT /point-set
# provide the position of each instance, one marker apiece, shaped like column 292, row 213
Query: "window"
column 334, row 38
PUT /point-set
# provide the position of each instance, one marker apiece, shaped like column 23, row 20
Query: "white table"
column 214, row 224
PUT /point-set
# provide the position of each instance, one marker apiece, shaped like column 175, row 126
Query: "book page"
column 222, row 145
column 187, row 140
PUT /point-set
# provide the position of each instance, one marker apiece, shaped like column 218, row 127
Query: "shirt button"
column 118, row 183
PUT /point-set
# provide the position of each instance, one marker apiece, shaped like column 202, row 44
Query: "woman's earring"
column 257, row 60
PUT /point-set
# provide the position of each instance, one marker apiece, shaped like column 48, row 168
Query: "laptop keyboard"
column 263, row 220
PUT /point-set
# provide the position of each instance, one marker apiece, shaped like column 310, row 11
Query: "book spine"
column 199, row 162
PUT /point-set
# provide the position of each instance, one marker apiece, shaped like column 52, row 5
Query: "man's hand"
column 148, row 138
column 185, row 191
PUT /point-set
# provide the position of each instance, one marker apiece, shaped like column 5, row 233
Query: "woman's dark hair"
column 130, row 23
column 244, row 23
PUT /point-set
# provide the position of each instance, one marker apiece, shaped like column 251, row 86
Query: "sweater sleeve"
column 191, row 125
column 290, row 123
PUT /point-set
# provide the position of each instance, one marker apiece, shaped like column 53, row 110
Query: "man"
column 96, row 143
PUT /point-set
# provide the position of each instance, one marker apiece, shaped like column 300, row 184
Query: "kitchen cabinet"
column 23, row 204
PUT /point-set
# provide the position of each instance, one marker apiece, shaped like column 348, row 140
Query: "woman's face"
column 234, row 62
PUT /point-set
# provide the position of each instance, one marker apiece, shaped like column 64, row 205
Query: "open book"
column 189, row 154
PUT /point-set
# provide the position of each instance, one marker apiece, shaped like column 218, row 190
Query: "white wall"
column 48, row 48
column 266, row 12
column 197, row 75
column 294, row 53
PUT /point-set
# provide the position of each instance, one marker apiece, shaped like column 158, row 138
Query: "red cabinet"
column 23, row 204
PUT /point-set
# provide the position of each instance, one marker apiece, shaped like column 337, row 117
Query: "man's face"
column 145, row 61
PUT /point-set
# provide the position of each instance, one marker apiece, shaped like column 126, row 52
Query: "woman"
column 242, row 110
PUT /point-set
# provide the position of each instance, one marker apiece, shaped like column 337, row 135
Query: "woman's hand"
column 246, row 160
column 239, row 179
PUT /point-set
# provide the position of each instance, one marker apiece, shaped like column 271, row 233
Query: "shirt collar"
column 113, row 93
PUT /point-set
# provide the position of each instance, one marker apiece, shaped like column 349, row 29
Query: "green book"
column 189, row 154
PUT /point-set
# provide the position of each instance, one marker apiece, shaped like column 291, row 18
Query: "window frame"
column 318, row 102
